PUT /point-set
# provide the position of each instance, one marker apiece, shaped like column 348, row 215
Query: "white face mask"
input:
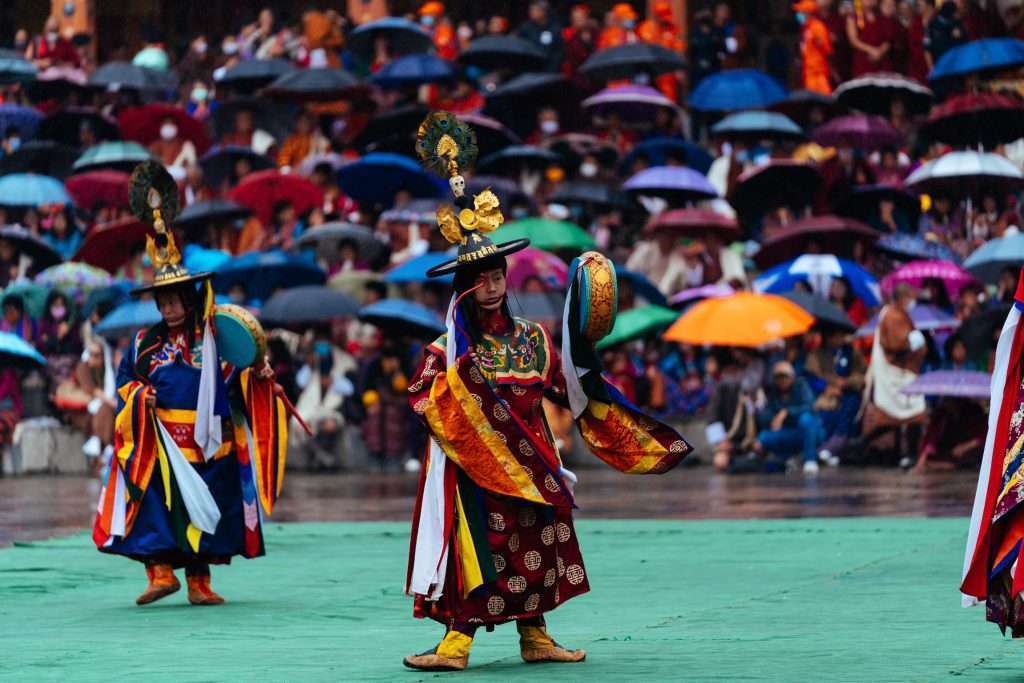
column 168, row 131
column 549, row 127
column 588, row 170
column 52, row 36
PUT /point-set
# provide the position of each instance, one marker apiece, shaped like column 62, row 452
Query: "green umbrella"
column 546, row 234
column 32, row 294
column 638, row 322
column 122, row 156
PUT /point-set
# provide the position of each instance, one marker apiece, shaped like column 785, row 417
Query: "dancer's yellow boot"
column 535, row 645
column 162, row 583
column 451, row 654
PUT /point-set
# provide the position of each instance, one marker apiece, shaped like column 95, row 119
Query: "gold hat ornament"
column 153, row 198
column 447, row 146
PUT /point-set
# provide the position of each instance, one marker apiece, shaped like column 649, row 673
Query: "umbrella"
column 219, row 163
column 952, row 383
column 413, row 211
column 332, row 159
column 637, row 323
column 803, row 107
column 544, row 307
column 529, row 90
column 742, row 319
column 990, row 54
column 859, row 131
column 74, row 279
column 694, row 224
column 825, row 312
column 112, row 296
column 758, row 125
column 834, row 232
column 252, row 74
column 915, row 273
column 32, row 295
column 413, row 70
column 534, row 263
column 688, row 297
column 499, row 52
column 308, row 304
column 674, row 183
column 735, row 90
column 262, row 190
column 25, row 119
column 657, row 150
column 14, row 68
column 514, row 159
column 263, row 272
column 863, row 203
column 491, row 135
column 63, row 126
column 925, row 317
column 331, row 234
column 379, row 176
column 967, row 174
column 29, row 189
column 403, row 318
column 41, row 253
column 590, row 193
column 984, row 118
column 546, row 234
column 267, row 115
column 353, row 282
column 199, row 259
column 818, row 270
column 403, row 36
column 509, row 193
column 635, row 105
column 911, row 247
column 124, row 76
column 15, row 351
column 105, row 186
column 572, row 147
column 110, row 245
column 129, row 317
column 873, row 94
column 142, row 124
column 323, row 84
column 640, row 286
column 393, row 129
column 624, row 62
column 992, row 257
column 780, row 182
column 415, row 269
column 123, row 156
column 44, row 157
column 204, row 212
column 57, row 83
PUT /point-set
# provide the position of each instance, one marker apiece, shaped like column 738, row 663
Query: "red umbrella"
column 142, row 124
column 796, row 238
column 694, row 223
column 858, row 131
column 260, row 191
column 106, row 186
column 985, row 118
column 110, row 245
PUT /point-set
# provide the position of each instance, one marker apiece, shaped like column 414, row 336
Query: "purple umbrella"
column 695, row 294
column 915, row 273
column 925, row 318
column 675, row 183
column 858, row 131
column 958, row 383
column 635, row 104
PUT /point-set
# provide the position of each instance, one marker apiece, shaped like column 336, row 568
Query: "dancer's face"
column 172, row 309
column 492, row 292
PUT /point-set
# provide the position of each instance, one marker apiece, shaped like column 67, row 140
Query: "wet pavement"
column 41, row 506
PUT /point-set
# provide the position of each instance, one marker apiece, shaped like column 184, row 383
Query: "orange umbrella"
column 743, row 319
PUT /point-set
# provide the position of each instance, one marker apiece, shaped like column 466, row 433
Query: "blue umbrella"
column 403, row 318
column 202, row 260
column 979, row 55
column 16, row 351
column 913, row 248
column 14, row 68
column 818, row 271
column 129, row 317
column 656, row 150
column 642, row 287
column 377, row 177
column 29, row 189
column 675, row 183
column 415, row 269
column 735, row 90
column 25, row 119
column 404, row 37
column 263, row 272
column 989, row 260
column 767, row 124
column 414, row 70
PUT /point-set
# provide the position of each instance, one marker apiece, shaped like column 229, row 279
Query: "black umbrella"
column 308, row 304
column 801, row 105
column 590, row 192
column 219, row 163
column 253, row 74
column 403, row 36
column 41, row 253
column 503, row 52
column 315, row 85
column 507, row 191
column 491, row 135
column 208, row 211
column 40, row 156
column 626, row 61
column 863, row 202
column 528, row 90
column 63, row 126
column 127, row 76
column 782, row 182
column 332, row 234
column 267, row 115
column 825, row 312
column 512, row 160
column 393, row 130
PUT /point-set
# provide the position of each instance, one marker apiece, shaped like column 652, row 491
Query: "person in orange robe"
column 815, row 47
column 621, row 28
column 433, row 19
column 663, row 31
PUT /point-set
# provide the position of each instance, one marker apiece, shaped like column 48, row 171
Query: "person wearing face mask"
column 176, row 152
column 51, row 49
column 198, row 105
column 544, row 32
column 620, row 28
column 12, row 140
column 434, row 21
column 58, row 338
column 815, row 47
column 664, row 31
column 547, row 127
column 197, row 63
column 589, row 168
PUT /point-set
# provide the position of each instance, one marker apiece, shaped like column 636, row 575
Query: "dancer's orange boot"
column 200, row 593
column 162, row 583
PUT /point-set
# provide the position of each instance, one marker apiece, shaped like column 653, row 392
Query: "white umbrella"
column 967, row 174
column 873, row 93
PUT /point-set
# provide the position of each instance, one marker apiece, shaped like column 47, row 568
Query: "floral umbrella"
column 74, row 279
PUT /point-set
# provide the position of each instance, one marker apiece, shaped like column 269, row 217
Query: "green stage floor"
column 863, row 599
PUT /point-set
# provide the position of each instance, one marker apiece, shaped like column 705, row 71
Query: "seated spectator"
column 955, row 436
column 385, row 427
column 59, row 339
column 176, row 152
column 61, row 234
column 52, row 49
column 96, row 378
column 305, row 140
column 835, row 372
column 732, row 426
column 10, row 263
column 320, row 403
column 15, row 320
column 10, row 408
column 245, row 134
column 787, row 420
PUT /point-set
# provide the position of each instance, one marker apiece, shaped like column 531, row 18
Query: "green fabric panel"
column 796, row 600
